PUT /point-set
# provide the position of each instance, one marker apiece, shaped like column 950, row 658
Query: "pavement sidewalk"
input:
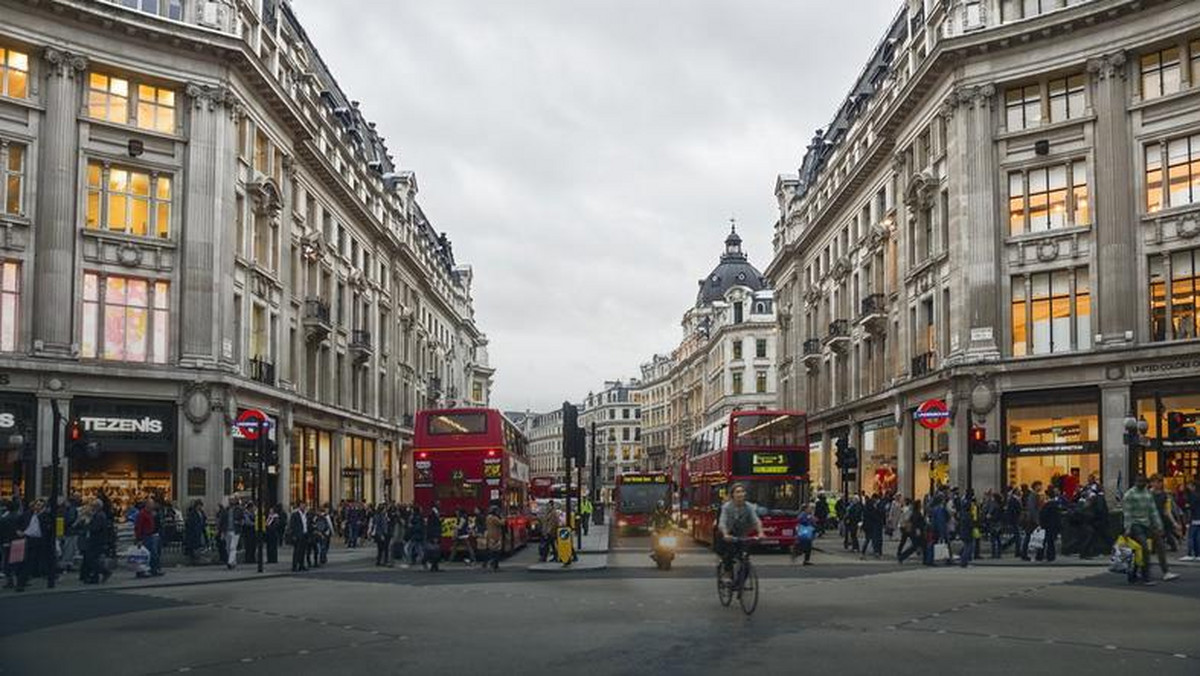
column 593, row 554
column 182, row 575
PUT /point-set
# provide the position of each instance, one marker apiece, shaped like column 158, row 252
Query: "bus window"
column 457, row 423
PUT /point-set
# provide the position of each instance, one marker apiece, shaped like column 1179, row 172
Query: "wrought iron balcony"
column 873, row 313
column 360, row 345
column 262, row 371
column 317, row 323
column 812, row 352
column 924, row 364
column 839, row 334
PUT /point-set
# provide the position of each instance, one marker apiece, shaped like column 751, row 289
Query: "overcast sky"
column 585, row 156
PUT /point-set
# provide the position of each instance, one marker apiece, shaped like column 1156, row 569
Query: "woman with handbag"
column 806, row 531
column 916, row 532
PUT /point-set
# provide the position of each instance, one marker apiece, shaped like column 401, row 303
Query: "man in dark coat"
column 38, row 530
column 193, row 531
column 297, row 533
column 433, row 538
column 94, row 545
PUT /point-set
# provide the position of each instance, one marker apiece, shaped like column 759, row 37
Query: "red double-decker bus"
column 636, row 496
column 767, row 452
column 471, row 458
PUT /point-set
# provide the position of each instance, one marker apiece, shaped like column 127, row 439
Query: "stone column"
column 1114, row 461
column 56, row 225
column 208, row 211
column 1115, row 221
column 975, row 232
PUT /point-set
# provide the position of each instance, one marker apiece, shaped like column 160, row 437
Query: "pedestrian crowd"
column 1031, row 522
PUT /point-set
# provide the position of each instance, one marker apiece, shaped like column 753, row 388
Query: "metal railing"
column 923, row 364
column 360, row 338
column 839, row 328
column 262, row 370
column 874, row 304
column 812, row 346
column 316, row 309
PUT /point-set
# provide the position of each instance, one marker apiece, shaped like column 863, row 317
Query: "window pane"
column 1019, row 330
column 1016, row 203
column 1170, row 70
column 1083, row 215
column 1158, row 300
column 140, row 216
column 1153, row 179
column 135, row 334
column 8, row 322
column 117, row 218
column 114, row 331
column 1183, row 297
column 91, row 286
column 1060, row 309
column 162, row 295
column 8, row 277
column 163, row 188
column 139, row 183
column 1083, row 310
column 1041, row 314
column 88, row 342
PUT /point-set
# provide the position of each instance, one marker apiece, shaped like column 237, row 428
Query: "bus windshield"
column 457, row 423
column 779, row 498
column 768, row 430
column 641, row 498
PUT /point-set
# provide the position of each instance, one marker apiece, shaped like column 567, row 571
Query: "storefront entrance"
column 1172, row 411
column 880, row 443
column 134, row 456
column 18, row 438
column 310, row 466
column 1053, row 437
column 358, row 469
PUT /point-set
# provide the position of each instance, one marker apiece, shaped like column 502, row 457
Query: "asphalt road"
column 840, row 615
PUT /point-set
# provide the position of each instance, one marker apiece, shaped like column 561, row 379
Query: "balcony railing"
column 812, row 346
column 838, row 328
column 360, row 338
column 874, row 304
column 924, row 364
column 316, row 309
column 262, row 371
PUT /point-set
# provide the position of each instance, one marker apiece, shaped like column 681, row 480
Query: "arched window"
column 760, row 308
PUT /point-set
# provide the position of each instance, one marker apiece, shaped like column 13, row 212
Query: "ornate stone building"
column 1002, row 215
column 198, row 221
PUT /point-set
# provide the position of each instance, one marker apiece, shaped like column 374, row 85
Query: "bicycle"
column 744, row 583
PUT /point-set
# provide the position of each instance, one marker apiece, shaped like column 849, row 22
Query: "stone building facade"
column 198, row 221
column 616, row 412
column 1002, row 216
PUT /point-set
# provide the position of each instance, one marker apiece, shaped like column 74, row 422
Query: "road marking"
column 247, row 659
column 302, row 652
column 1110, row 647
column 1180, row 656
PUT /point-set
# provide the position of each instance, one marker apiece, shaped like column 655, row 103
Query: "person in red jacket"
column 146, row 532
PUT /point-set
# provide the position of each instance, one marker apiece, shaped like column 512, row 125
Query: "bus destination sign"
column 642, row 479
column 764, row 463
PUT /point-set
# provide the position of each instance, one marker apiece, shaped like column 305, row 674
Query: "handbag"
column 1037, row 539
column 806, row 532
column 16, row 551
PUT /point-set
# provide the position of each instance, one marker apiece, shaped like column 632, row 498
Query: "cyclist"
column 737, row 521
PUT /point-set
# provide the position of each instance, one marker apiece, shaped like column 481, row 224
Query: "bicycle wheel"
column 748, row 597
column 724, row 589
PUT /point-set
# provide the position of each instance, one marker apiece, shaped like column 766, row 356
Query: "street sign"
column 932, row 414
column 251, row 421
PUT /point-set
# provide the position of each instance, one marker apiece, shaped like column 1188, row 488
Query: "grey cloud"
column 585, row 156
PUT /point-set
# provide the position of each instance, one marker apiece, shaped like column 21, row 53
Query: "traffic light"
column 77, row 446
column 271, row 453
column 1180, row 425
column 572, row 435
column 851, row 458
column 840, row 455
column 977, row 440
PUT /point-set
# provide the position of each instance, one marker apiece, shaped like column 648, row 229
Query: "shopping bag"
column 1122, row 558
column 137, row 558
column 16, row 551
column 1037, row 539
column 806, row 532
column 941, row 551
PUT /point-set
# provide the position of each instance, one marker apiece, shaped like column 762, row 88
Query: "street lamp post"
column 1135, row 429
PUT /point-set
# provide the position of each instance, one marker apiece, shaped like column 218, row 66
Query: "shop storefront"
column 1052, row 437
column 879, row 444
column 1172, row 412
column 18, row 437
column 134, row 456
column 816, row 464
column 929, row 459
column 358, row 469
column 310, row 470
column 245, row 457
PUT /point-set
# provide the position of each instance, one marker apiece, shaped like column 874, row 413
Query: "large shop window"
column 14, row 73
column 930, row 459
column 358, row 469
column 125, row 318
column 136, row 450
column 1051, row 312
column 309, row 471
column 816, row 463
column 880, row 444
column 1173, row 313
column 1181, row 157
column 1049, row 198
column 1053, row 441
column 10, row 304
column 1174, row 432
column 129, row 201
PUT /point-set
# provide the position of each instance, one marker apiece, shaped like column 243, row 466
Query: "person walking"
column 95, row 543
column 35, row 531
column 433, row 539
column 250, row 532
column 273, row 531
column 806, row 531
column 1191, row 499
column 854, row 517
column 1142, row 523
column 414, row 544
column 462, row 538
column 231, row 522
column 296, row 534
column 146, row 533
column 323, row 532
column 821, row 512
column 585, row 513
column 494, row 539
column 968, row 520
column 380, row 531
column 193, row 531
column 1167, row 509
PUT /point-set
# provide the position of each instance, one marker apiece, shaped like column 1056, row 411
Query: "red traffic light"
column 978, row 434
column 74, row 431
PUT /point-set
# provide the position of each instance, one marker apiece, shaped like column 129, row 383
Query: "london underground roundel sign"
column 932, row 414
column 251, row 421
